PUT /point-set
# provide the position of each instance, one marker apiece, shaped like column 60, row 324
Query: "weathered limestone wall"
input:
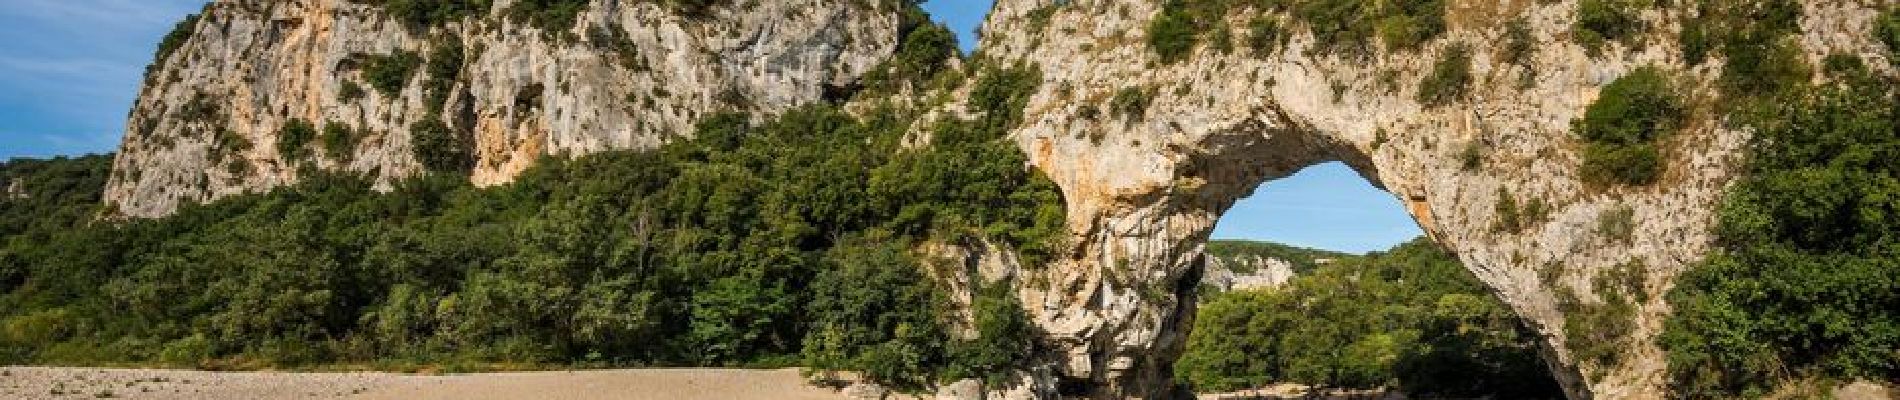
column 255, row 64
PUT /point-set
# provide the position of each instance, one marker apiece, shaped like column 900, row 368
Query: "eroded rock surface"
column 627, row 75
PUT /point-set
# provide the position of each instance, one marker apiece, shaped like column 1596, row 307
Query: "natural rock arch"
column 1144, row 189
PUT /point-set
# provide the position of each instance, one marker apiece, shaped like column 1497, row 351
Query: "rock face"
column 626, row 75
column 1246, row 272
column 1144, row 191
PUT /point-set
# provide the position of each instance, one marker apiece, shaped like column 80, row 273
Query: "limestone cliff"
column 625, row 75
column 1241, row 265
column 1144, row 188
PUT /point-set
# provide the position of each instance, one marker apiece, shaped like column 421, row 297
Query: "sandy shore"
column 643, row 384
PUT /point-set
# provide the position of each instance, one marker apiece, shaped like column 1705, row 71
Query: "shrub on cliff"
column 1887, row 29
column 176, row 39
column 1450, row 79
column 438, row 148
column 1622, row 127
column 294, row 138
column 338, row 140
column 390, row 73
column 1172, row 33
column 1602, row 21
column 558, row 16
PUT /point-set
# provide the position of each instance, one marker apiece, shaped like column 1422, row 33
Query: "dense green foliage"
column 444, row 68
column 293, row 140
column 1304, row 260
column 439, row 148
column 1808, row 276
column 51, row 196
column 749, row 244
column 1173, row 34
column 1622, row 127
column 1887, row 29
column 389, row 74
column 1000, row 94
column 1411, row 318
column 925, row 51
column 1450, row 79
column 921, row 57
column 43, row 201
column 338, row 141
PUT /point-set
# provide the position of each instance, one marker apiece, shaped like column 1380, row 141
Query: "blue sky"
column 963, row 16
column 69, row 70
column 1325, row 206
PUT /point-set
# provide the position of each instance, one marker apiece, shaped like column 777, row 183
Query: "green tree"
column 1802, row 286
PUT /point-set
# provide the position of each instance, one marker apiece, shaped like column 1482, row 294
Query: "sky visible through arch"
column 69, row 70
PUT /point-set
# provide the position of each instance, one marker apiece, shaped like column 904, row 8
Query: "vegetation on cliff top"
column 1346, row 27
column 1303, row 259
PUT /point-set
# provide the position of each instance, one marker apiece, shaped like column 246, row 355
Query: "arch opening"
column 1322, row 279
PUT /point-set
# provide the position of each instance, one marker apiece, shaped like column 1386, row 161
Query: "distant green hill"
column 1410, row 318
column 1303, row 259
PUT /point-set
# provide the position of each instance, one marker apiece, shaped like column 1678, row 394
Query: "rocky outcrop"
column 16, row 189
column 1143, row 191
column 1243, row 272
column 627, row 75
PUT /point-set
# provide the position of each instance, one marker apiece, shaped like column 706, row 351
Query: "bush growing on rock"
column 438, row 148
column 338, row 140
column 1450, row 79
column 1887, row 29
column 389, row 74
column 294, row 138
column 1622, row 127
column 1602, row 21
column 1173, row 34
column 180, row 33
